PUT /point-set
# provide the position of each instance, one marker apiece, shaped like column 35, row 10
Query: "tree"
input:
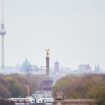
column 83, row 86
column 4, row 92
column 100, row 97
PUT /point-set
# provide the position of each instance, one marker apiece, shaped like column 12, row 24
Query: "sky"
column 73, row 30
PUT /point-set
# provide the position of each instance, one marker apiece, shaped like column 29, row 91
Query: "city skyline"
column 73, row 30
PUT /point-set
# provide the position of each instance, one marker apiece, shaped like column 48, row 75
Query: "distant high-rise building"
column 56, row 66
column 85, row 68
column 97, row 68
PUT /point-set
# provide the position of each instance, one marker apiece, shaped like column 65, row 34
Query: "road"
column 34, row 104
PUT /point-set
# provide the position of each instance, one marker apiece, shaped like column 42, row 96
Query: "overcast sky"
column 73, row 30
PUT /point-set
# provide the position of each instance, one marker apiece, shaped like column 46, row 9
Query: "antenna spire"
column 2, row 11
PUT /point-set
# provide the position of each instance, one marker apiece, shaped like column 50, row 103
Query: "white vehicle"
column 48, row 100
column 31, row 99
column 40, row 100
column 23, row 100
column 38, row 94
column 45, row 100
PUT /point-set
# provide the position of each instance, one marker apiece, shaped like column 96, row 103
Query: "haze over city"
column 73, row 30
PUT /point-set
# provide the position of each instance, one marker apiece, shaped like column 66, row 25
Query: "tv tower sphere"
column 2, row 31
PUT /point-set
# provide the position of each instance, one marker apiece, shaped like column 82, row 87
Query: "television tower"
column 2, row 33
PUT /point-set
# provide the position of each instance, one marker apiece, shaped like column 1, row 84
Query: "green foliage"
column 15, row 88
column 15, row 85
column 100, row 96
column 83, row 86
column 61, row 83
column 4, row 92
